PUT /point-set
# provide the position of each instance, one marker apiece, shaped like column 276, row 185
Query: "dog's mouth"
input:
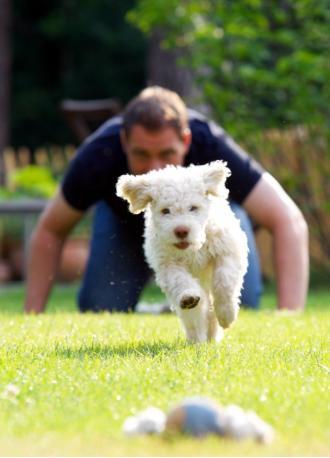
column 182, row 245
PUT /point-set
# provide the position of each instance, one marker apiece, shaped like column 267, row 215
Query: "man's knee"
column 252, row 287
column 121, row 297
column 116, row 271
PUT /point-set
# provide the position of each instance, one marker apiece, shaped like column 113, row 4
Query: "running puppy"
column 193, row 242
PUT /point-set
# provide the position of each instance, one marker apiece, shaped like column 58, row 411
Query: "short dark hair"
column 155, row 108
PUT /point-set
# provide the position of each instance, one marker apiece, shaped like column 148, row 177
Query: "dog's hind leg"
column 201, row 324
column 215, row 332
column 195, row 323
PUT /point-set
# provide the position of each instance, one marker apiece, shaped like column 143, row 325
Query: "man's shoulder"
column 196, row 118
column 101, row 147
column 108, row 129
column 200, row 123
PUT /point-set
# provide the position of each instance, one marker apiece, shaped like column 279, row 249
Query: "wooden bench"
column 83, row 116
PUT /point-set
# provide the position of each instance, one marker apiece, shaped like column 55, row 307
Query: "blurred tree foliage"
column 259, row 63
column 69, row 49
column 263, row 69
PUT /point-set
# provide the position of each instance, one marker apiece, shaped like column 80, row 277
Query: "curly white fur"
column 193, row 242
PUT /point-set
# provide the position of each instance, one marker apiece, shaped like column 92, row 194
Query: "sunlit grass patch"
column 78, row 377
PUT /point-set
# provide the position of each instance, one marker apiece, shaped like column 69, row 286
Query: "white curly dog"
column 193, row 242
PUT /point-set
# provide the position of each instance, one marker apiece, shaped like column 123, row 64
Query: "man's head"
column 155, row 130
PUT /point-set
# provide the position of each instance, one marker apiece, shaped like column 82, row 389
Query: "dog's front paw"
column 189, row 302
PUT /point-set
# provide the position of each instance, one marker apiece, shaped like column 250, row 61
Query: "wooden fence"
column 54, row 157
column 299, row 159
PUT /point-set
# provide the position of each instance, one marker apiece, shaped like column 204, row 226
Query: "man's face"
column 147, row 150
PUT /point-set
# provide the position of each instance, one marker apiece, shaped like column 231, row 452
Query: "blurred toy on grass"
column 200, row 417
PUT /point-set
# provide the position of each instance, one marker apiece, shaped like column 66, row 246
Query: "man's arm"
column 47, row 241
column 270, row 206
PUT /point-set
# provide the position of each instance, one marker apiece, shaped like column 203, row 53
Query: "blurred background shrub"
column 30, row 181
column 261, row 69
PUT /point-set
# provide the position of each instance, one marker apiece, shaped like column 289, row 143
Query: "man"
column 155, row 131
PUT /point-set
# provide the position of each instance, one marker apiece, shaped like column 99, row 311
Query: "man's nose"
column 156, row 164
column 181, row 232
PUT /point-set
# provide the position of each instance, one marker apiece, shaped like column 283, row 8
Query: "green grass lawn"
column 80, row 376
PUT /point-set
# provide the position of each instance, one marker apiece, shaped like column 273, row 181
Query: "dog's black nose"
column 181, row 232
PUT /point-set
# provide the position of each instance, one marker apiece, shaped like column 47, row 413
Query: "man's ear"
column 186, row 138
column 214, row 176
column 136, row 190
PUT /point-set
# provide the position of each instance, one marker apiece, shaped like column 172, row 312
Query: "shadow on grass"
column 140, row 350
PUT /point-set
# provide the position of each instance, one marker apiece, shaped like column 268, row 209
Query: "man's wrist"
column 289, row 309
column 33, row 309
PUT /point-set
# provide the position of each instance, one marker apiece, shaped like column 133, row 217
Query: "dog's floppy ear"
column 135, row 190
column 214, row 176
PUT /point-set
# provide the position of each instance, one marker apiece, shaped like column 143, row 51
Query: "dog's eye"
column 165, row 211
column 193, row 208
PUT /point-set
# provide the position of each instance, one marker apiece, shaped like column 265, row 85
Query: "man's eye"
column 193, row 208
column 165, row 211
column 167, row 154
column 140, row 154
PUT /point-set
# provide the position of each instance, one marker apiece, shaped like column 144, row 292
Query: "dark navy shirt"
column 93, row 173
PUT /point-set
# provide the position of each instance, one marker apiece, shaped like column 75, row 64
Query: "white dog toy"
column 200, row 417
column 193, row 242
